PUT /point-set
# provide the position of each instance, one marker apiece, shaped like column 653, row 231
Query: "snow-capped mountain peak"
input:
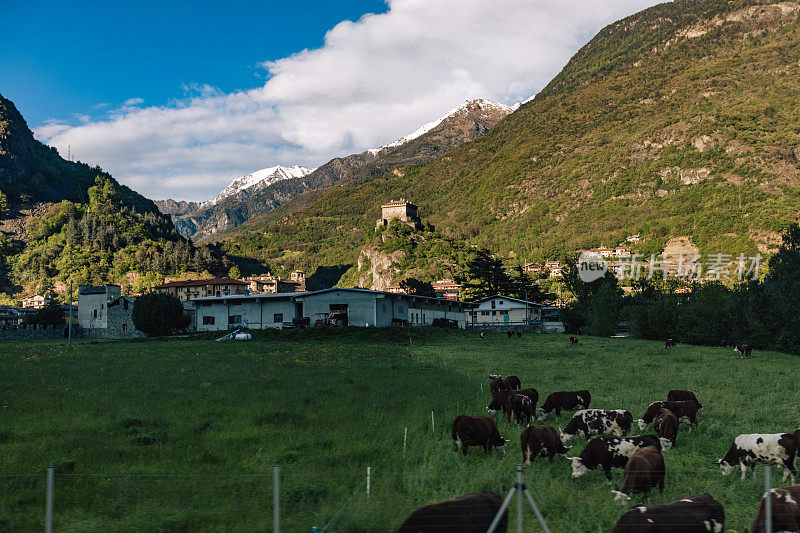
column 261, row 178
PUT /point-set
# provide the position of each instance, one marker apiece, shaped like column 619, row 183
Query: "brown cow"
column 666, row 425
column 476, row 431
column 644, row 471
column 670, row 343
column 520, row 407
column 541, row 441
column 498, row 383
column 565, row 401
column 498, row 402
column 785, row 510
column 686, row 411
column 472, row 513
column 677, row 395
column 695, row 514
column 745, row 350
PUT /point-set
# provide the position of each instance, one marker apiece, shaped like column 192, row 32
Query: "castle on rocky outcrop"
column 401, row 209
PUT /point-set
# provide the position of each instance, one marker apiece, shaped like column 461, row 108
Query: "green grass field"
column 182, row 435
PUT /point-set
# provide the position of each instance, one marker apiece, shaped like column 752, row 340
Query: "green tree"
column 484, row 275
column 50, row 314
column 417, row 287
column 234, row 272
column 603, row 310
column 157, row 314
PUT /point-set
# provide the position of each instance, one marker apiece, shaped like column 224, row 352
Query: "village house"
column 11, row 317
column 401, row 210
column 36, row 301
column 189, row 290
column 553, row 268
column 634, row 239
column 447, row 289
column 269, row 284
column 504, row 311
column 339, row 306
column 532, row 268
column 104, row 313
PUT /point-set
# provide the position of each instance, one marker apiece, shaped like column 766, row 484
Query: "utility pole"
column 70, row 312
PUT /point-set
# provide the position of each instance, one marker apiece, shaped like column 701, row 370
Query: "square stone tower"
column 401, row 209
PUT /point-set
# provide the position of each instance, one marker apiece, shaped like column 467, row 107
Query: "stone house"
column 104, row 313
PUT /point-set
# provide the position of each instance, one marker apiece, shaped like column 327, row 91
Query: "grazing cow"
column 499, row 383
column 751, row 449
column 565, row 401
column 644, row 471
column 684, row 396
column 670, row 343
column 520, row 407
column 519, row 333
column 590, row 422
column 513, row 383
column 574, row 341
column 476, row 431
column 666, row 425
column 482, row 335
column 609, row 452
column 696, row 514
column 686, row 411
column 498, row 402
column 541, row 441
column 785, row 511
column 471, row 512
column 510, row 333
column 745, row 350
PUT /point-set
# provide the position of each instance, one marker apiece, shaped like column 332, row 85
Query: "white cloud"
column 372, row 81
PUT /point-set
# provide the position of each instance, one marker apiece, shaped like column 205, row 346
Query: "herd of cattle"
column 610, row 445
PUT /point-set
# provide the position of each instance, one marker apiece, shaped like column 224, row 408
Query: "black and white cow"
column 471, row 513
column 565, row 401
column 476, row 431
column 785, row 511
column 686, row 411
column 540, row 441
column 676, row 395
column 608, row 452
column 745, row 349
column 589, row 422
column 696, row 514
column 645, row 470
column 666, row 425
column 750, row 449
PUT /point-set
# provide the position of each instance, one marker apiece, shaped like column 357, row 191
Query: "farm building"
column 104, row 313
column 189, row 290
column 339, row 306
column 36, row 301
column 502, row 311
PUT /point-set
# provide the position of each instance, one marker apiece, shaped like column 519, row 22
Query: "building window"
column 494, row 313
column 277, row 317
column 493, row 304
column 208, row 320
column 484, row 313
column 234, row 320
column 95, row 314
column 124, row 327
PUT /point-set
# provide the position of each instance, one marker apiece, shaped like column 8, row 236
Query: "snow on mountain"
column 468, row 105
column 264, row 177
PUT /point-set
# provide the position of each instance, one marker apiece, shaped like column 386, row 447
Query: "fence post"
column 405, row 438
column 369, row 476
column 520, row 489
column 433, row 423
column 276, row 499
column 48, row 517
column 768, row 499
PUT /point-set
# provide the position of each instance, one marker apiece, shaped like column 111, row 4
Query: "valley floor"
column 174, row 435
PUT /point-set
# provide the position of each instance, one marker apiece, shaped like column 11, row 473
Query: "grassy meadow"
column 182, row 435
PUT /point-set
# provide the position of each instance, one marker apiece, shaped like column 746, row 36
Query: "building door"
column 339, row 314
column 505, row 318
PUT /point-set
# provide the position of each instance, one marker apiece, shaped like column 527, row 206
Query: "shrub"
column 158, row 314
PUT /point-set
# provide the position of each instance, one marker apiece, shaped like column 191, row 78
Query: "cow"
column 767, row 448
column 670, row 343
column 541, row 441
column 608, row 452
column 520, row 407
column 677, row 395
column 666, row 425
column 785, row 510
column 588, row 422
column 745, row 350
column 574, row 341
column 519, row 333
column 482, row 335
column 644, row 471
column 498, row 402
column 476, row 431
column 686, row 411
column 471, row 512
column 510, row 333
column 499, row 383
column 565, row 401
column 696, row 514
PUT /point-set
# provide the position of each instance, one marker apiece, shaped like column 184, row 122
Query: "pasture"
column 179, row 435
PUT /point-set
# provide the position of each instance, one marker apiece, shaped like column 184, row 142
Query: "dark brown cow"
column 574, row 341
column 476, row 431
column 676, row 395
column 471, row 513
column 696, row 514
column 498, row 402
column 745, row 350
column 670, row 343
column 645, row 470
column 666, row 425
column 510, row 333
column 686, row 411
column 541, row 441
column 499, row 383
column 785, row 510
column 565, row 401
column 520, row 407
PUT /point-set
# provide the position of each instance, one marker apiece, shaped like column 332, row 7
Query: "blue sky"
column 176, row 99
column 64, row 58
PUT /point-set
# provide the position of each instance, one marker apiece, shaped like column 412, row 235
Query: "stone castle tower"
column 401, row 209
